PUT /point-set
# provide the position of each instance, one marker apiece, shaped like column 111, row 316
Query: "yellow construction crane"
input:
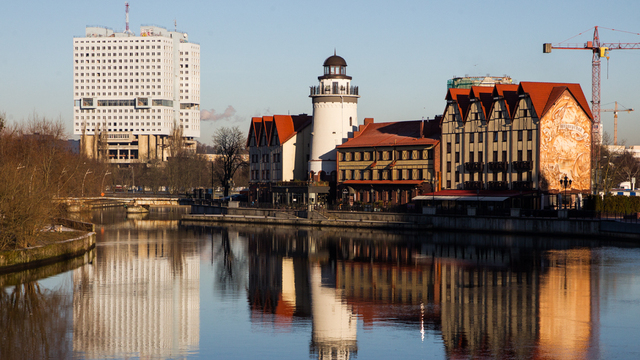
column 615, row 112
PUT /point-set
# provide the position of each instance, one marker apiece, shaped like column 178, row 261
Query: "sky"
column 260, row 57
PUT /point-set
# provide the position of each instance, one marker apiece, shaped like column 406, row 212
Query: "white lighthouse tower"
column 335, row 117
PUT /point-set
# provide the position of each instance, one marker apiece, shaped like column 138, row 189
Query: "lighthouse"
column 335, row 117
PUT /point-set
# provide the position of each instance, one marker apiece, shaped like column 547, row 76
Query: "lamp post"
column 84, row 178
column 566, row 182
column 102, row 185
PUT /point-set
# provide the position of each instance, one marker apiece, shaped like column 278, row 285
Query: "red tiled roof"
column 401, row 133
column 285, row 126
column 484, row 95
column 510, row 94
column 461, row 97
column 544, row 95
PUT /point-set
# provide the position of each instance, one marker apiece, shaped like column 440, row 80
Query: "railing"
column 522, row 165
column 330, row 90
column 523, row 185
column 473, row 185
column 477, row 166
column 497, row 185
column 498, row 166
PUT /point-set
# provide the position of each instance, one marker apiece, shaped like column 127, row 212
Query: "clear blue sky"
column 260, row 57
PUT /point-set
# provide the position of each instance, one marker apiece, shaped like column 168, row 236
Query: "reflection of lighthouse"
column 334, row 325
column 335, row 116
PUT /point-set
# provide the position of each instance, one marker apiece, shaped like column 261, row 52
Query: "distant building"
column 467, row 82
column 131, row 92
column 389, row 162
column 517, row 137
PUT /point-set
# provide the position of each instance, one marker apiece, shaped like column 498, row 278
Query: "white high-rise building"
column 130, row 92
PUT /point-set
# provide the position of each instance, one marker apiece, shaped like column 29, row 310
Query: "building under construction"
column 467, row 82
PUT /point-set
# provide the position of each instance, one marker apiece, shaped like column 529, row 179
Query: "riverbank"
column 44, row 254
column 598, row 228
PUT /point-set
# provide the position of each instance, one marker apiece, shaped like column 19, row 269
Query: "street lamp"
column 566, row 182
column 84, row 178
column 102, row 185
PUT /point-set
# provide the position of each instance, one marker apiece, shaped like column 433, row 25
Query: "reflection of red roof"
column 401, row 133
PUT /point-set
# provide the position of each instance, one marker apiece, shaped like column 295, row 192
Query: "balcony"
column 498, row 166
column 522, row 165
column 330, row 90
column 474, row 166
column 497, row 185
column 523, row 185
column 473, row 185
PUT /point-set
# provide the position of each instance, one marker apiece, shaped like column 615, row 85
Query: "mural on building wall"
column 565, row 145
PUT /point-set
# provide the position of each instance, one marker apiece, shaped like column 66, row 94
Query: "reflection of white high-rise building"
column 334, row 324
column 138, row 299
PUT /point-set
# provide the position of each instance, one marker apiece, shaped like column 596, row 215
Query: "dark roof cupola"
column 335, row 67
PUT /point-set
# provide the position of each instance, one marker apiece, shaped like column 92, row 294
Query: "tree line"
column 38, row 168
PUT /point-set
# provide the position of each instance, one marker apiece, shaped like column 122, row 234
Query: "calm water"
column 153, row 288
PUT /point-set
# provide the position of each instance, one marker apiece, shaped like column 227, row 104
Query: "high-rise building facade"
column 131, row 92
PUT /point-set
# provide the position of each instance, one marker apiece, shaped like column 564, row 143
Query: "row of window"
column 260, row 175
column 119, row 47
column 397, row 174
column 275, row 158
column 495, row 158
column 386, row 155
column 495, row 134
column 494, row 176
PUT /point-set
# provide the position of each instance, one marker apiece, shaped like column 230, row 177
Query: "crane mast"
column 599, row 50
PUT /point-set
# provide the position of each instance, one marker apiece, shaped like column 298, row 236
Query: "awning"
column 461, row 198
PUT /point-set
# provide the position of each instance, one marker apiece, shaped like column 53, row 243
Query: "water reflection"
column 141, row 297
column 34, row 322
column 483, row 295
column 161, row 289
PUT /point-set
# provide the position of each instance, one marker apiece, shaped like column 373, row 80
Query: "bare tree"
column 230, row 146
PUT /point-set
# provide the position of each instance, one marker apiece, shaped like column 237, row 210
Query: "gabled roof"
column 461, row 97
column 544, row 95
column 483, row 94
column 509, row 92
column 284, row 126
column 401, row 133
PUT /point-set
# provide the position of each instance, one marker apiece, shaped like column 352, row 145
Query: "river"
column 154, row 288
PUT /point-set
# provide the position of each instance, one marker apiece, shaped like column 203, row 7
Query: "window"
column 529, row 135
column 504, row 155
column 495, row 136
column 457, row 138
column 529, row 155
column 471, row 156
column 457, row 156
column 448, row 148
column 480, row 137
column 448, row 184
column 430, row 154
column 471, row 137
column 519, row 155
column 480, row 158
column 504, row 136
column 519, row 135
column 448, row 166
column 495, row 156
column 457, row 176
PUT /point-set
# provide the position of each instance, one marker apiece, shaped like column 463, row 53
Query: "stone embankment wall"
column 14, row 260
column 513, row 225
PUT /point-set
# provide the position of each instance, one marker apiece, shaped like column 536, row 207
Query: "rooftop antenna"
column 126, row 6
column 175, row 25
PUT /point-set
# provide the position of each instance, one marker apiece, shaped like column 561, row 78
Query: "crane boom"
column 599, row 50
